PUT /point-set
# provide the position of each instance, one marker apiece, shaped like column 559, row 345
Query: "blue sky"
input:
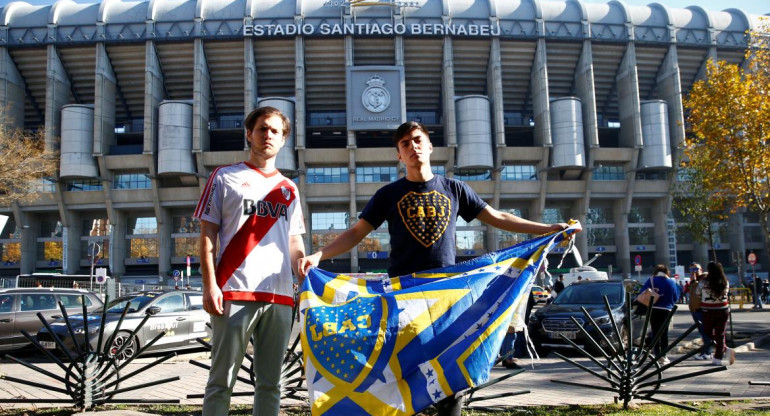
column 749, row 6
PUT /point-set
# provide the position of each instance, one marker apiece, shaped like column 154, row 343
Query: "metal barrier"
column 741, row 295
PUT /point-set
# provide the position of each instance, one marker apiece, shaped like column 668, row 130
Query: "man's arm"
column 296, row 252
column 342, row 244
column 212, row 294
column 512, row 223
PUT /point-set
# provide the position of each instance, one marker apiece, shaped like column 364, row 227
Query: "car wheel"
column 122, row 338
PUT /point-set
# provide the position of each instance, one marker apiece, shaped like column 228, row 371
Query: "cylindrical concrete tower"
column 77, row 142
column 175, row 137
column 286, row 160
column 474, row 133
column 656, row 153
column 567, row 133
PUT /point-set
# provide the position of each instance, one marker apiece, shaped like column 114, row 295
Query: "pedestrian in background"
column 716, row 311
column 668, row 292
column 757, row 290
column 694, row 289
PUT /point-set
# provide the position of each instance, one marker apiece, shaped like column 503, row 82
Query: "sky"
column 758, row 7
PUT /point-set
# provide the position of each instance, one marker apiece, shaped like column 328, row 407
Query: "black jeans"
column 657, row 319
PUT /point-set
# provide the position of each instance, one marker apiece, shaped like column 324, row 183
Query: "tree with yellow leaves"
column 726, row 152
column 24, row 160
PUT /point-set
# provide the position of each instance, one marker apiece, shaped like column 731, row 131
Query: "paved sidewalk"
column 753, row 364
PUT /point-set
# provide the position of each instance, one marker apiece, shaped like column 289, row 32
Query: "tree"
column 726, row 151
column 25, row 159
column 697, row 208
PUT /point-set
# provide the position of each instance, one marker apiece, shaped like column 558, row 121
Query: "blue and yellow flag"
column 396, row 345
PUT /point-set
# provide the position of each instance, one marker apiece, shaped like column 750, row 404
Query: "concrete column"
column 164, row 241
column 12, row 92
column 670, row 89
column 299, row 94
column 300, row 130
column 250, row 91
column 72, row 234
column 659, row 217
column 57, row 94
column 585, row 90
column 118, row 242
column 30, row 229
column 201, row 100
column 629, row 101
column 541, row 107
column 623, row 255
column 495, row 88
column 105, row 97
column 448, row 97
column 154, row 93
column 352, row 205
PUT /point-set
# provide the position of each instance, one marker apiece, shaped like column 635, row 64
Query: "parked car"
column 541, row 295
column 178, row 313
column 19, row 308
column 547, row 324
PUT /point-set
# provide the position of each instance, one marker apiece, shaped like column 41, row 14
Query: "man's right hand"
column 212, row 300
column 305, row 263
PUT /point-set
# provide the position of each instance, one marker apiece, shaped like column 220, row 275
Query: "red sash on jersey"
column 245, row 240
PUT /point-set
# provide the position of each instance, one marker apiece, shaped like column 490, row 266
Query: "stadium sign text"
column 362, row 29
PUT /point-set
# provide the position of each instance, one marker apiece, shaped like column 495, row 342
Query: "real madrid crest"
column 376, row 98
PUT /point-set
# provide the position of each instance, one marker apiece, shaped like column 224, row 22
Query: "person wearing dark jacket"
column 668, row 293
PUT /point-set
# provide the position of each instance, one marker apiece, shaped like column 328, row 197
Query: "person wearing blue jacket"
column 668, row 292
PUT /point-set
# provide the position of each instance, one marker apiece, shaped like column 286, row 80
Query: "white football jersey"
column 256, row 213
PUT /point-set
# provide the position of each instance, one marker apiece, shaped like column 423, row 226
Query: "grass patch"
column 716, row 408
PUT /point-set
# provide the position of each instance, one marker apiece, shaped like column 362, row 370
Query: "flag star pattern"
column 396, row 346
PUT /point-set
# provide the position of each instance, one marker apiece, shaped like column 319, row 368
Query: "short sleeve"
column 375, row 211
column 210, row 205
column 470, row 203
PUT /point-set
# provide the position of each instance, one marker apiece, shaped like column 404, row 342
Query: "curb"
column 758, row 342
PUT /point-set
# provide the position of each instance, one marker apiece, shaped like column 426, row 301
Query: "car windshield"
column 137, row 301
column 537, row 289
column 590, row 294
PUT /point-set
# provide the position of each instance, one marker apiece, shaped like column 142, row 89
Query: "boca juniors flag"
column 394, row 346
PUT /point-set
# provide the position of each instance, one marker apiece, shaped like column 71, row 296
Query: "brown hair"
column 267, row 111
column 716, row 279
column 407, row 128
column 661, row 268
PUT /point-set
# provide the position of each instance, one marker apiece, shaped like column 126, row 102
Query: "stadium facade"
column 548, row 109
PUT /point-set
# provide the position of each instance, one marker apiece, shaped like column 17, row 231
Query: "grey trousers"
column 270, row 324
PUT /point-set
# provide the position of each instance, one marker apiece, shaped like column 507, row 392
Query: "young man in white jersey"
column 254, row 212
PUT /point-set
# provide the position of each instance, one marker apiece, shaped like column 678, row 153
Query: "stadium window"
column 608, row 173
column 376, row 174
column 131, row 181
column 473, row 174
column 519, row 173
column 76, row 185
column 330, row 174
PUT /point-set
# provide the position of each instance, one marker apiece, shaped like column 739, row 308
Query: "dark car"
column 178, row 313
column 549, row 323
column 19, row 309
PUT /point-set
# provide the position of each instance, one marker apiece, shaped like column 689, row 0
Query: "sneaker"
column 663, row 360
column 702, row 356
column 730, row 356
column 716, row 362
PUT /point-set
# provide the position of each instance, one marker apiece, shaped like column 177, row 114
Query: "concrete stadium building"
column 548, row 109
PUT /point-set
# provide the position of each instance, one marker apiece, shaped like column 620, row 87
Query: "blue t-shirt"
column 421, row 220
